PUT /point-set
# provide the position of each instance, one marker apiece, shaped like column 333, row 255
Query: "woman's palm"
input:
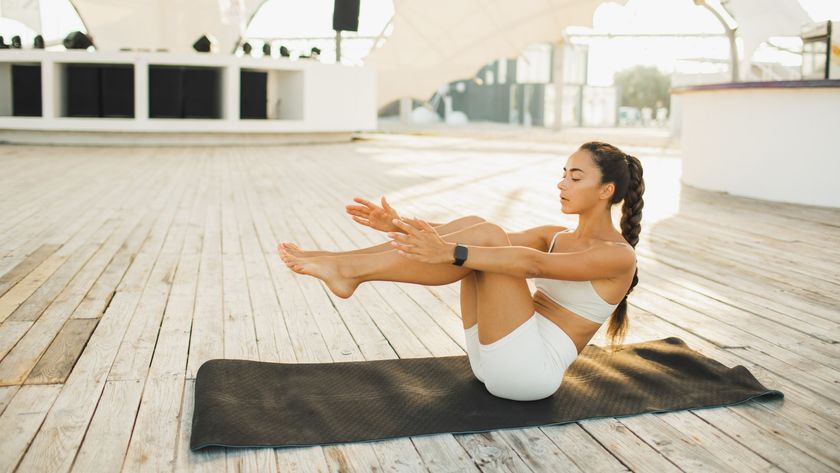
column 374, row 216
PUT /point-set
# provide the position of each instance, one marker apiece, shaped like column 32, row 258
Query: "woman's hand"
column 374, row 216
column 421, row 242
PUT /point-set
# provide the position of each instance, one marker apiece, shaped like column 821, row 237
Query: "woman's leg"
column 343, row 274
column 504, row 302
column 469, row 299
column 446, row 228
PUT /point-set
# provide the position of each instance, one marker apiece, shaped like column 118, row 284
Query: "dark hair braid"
column 626, row 173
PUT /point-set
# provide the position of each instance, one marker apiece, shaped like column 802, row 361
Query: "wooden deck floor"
column 123, row 269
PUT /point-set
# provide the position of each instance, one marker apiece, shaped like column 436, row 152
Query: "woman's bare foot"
column 295, row 250
column 327, row 269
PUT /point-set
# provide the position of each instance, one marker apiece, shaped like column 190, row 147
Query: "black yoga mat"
column 242, row 403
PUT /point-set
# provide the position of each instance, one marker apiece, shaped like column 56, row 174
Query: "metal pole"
column 557, row 78
column 730, row 33
column 337, row 46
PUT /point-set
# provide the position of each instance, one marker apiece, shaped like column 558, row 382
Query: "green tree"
column 643, row 86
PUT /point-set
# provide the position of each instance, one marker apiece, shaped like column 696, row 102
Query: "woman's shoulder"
column 537, row 237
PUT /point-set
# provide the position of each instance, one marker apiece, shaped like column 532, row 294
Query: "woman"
column 519, row 345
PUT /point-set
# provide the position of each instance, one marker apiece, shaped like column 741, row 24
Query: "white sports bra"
column 579, row 297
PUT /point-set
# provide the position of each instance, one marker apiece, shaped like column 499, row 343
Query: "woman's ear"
column 607, row 190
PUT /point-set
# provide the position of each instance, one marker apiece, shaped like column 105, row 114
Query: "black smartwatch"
column 460, row 254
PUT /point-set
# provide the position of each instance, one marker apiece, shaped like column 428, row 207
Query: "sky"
column 313, row 18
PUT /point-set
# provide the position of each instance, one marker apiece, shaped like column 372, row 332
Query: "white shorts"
column 525, row 365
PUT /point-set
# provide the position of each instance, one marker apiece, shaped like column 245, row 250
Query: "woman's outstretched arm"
column 442, row 228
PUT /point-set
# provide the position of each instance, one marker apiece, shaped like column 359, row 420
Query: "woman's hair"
column 625, row 172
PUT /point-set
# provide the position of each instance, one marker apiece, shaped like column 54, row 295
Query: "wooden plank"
column 538, row 452
column 206, row 340
column 56, row 363
column 155, row 434
column 13, row 298
column 587, row 453
column 443, row 453
column 240, row 340
column 21, row 419
column 10, row 333
column 22, row 269
column 624, row 444
column 6, row 395
column 106, row 439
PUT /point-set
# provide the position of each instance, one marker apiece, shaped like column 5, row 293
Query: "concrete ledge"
column 168, row 139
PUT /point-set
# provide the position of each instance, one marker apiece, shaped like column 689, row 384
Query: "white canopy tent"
column 437, row 41
column 433, row 41
column 169, row 24
column 149, row 24
column 758, row 20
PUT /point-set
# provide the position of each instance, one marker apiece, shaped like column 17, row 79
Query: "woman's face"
column 580, row 188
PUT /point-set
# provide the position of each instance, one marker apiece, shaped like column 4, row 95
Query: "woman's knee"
column 469, row 220
column 495, row 235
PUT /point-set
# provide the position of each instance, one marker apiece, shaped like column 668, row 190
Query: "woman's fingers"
column 425, row 225
column 400, row 238
column 386, row 205
column 404, row 225
column 357, row 210
column 365, row 202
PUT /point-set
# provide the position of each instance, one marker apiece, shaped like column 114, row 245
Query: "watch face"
column 460, row 253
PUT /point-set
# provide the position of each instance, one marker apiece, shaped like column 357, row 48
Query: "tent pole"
column 338, row 46
column 557, row 78
column 405, row 110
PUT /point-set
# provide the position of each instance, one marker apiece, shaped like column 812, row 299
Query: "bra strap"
column 550, row 247
column 554, row 238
